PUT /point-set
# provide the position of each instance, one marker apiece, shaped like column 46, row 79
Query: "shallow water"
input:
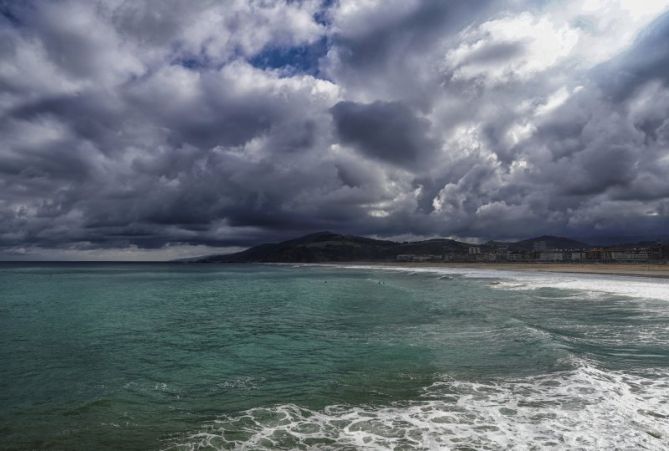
column 140, row 356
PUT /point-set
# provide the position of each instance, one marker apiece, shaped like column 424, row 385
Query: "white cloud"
column 540, row 44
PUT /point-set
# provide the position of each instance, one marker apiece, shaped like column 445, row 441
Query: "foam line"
column 638, row 287
column 584, row 408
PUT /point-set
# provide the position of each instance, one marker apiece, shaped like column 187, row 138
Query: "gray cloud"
column 394, row 27
column 130, row 126
column 646, row 60
column 387, row 131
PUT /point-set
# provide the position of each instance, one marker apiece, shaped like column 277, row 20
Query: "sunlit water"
column 185, row 357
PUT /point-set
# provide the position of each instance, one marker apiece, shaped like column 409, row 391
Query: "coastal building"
column 577, row 256
column 595, row 255
column 628, row 255
column 500, row 250
column 517, row 256
column 552, row 256
column 487, row 257
column 494, row 252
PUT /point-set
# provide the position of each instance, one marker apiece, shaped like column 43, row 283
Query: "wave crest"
column 584, row 408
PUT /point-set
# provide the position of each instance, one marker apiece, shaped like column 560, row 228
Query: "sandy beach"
column 618, row 269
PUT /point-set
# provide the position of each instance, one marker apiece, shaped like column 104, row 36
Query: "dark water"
column 206, row 357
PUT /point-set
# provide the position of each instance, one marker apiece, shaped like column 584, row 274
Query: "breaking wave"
column 583, row 408
column 639, row 287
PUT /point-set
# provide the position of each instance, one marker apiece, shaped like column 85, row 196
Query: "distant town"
column 542, row 251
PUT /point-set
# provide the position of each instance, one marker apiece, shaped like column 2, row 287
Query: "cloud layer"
column 158, row 129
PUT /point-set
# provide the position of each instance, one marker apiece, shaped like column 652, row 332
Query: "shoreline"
column 657, row 271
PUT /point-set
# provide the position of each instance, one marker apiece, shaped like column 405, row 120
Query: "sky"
column 160, row 129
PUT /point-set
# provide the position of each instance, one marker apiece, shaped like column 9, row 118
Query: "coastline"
column 658, row 271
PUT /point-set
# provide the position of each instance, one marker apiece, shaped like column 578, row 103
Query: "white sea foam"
column 640, row 287
column 585, row 408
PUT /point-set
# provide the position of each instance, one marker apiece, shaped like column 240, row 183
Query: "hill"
column 548, row 242
column 332, row 247
column 317, row 247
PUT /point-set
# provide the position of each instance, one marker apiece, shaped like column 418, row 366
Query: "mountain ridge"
column 333, row 247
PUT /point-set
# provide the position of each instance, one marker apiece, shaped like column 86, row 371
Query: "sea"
column 125, row 356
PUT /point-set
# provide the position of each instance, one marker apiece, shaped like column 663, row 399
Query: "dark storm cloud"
column 169, row 125
column 387, row 131
column 601, row 143
column 92, row 116
column 387, row 51
column 387, row 31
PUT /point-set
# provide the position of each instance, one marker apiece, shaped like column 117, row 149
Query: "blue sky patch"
column 300, row 59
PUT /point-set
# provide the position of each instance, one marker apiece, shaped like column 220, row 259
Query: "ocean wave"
column 584, row 408
column 638, row 287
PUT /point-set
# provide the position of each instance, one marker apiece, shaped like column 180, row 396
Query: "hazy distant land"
column 545, row 253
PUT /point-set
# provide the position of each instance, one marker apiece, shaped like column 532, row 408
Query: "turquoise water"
column 160, row 356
